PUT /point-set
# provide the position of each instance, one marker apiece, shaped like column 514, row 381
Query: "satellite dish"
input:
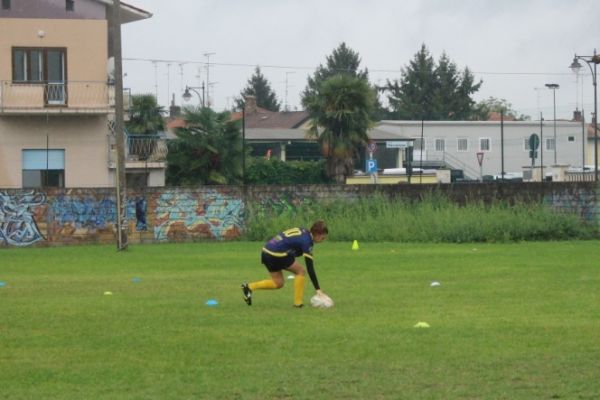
column 110, row 68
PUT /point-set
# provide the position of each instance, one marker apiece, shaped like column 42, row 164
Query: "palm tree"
column 145, row 115
column 207, row 151
column 340, row 111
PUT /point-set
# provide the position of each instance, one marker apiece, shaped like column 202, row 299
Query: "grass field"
column 509, row 321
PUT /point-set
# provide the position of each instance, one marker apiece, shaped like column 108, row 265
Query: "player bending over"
column 280, row 254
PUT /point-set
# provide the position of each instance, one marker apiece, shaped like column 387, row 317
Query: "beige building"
column 57, row 98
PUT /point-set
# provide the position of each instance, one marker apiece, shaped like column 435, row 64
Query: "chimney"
column 577, row 116
column 249, row 104
column 174, row 110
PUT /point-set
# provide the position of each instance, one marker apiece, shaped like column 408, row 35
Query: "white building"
column 456, row 144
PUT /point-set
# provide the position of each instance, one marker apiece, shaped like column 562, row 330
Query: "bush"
column 275, row 172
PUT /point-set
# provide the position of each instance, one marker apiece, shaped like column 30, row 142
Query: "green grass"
column 509, row 321
column 433, row 219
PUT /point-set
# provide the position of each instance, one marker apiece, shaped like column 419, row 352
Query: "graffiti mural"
column 186, row 216
column 17, row 222
column 85, row 213
column 579, row 202
column 281, row 203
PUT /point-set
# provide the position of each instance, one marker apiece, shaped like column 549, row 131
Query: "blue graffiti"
column 17, row 225
column 86, row 212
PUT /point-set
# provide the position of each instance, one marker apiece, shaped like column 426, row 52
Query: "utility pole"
column 208, row 83
column 119, row 127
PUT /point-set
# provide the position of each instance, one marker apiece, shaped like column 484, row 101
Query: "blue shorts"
column 275, row 264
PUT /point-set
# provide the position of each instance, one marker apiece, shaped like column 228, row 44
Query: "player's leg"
column 274, row 265
column 299, row 280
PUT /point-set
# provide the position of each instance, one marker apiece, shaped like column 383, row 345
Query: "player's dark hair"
column 319, row 228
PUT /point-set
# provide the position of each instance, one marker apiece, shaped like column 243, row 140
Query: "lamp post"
column 576, row 66
column 553, row 87
column 187, row 96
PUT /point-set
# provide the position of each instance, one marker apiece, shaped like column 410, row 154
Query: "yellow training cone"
column 355, row 245
column 422, row 325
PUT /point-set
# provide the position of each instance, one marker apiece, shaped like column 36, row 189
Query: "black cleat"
column 298, row 305
column 247, row 294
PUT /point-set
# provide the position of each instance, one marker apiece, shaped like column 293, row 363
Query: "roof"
column 591, row 132
column 270, row 134
column 496, row 116
column 262, row 118
column 129, row 13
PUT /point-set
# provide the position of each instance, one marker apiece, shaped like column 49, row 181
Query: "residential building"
column 57, row 97
column 278, row 134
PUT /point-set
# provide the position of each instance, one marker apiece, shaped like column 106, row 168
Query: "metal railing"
column 587, row 176
column 139, row 148
column 151, row 148
column 63, row 97
column 453, row 162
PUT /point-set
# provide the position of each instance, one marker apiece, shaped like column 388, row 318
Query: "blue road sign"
column 371, row 166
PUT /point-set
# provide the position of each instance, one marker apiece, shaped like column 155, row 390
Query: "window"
column 42, row 65
column 484, row 144
column 571, row 138
column 440, row 145
column 70, row 6
column 462, row 144
column 550, row 144
column 43, row 168
column 6, row 4
column 39, row 65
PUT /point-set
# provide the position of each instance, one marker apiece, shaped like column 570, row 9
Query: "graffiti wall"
column 18, row 225
column 56, row 217
column 181, row 215
column 89, row 216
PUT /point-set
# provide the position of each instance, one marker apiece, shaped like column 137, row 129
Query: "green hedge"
column 275, row 172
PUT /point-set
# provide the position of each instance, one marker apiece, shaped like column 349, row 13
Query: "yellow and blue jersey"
column 294, row 242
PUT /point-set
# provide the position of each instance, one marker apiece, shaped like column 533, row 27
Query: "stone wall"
column 68, row 216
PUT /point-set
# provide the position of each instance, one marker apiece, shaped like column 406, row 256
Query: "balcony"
column 141, row 152
column 58, row 98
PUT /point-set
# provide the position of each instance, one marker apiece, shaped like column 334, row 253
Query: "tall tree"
column 259, row 87
column 340, row 109
column 207, row 151
column 432, row 91
column 146, row 116
column 343, row 60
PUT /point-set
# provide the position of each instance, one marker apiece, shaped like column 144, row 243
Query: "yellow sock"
column 266, row 284
column 298, row 289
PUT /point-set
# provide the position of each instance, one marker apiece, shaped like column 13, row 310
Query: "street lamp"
column 187, row 96
column 553, row 87
column 575, row 66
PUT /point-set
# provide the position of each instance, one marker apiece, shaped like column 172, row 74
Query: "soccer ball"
column 321, row 301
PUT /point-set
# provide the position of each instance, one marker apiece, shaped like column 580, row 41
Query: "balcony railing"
column 141, row 151
column 58, row 97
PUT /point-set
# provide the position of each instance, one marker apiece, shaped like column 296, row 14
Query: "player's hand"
column 321, row 293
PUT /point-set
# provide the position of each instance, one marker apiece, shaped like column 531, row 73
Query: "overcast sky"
column 514, row 46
